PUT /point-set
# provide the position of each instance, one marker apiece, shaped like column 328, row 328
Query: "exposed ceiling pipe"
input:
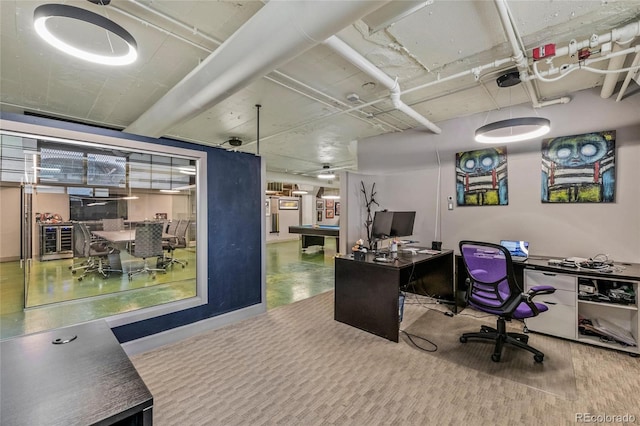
column 629, row 77
column 623, row 38
column 518, row 55
column 366, row 66
column 359, row 115
column 277, row 33
column 610, row 80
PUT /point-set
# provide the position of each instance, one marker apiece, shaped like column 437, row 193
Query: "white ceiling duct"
column 366, row 66
column 277, row 33
column 300, row 180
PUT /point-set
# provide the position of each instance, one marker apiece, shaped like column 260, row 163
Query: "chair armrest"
column 538, row 290
column 541, row 289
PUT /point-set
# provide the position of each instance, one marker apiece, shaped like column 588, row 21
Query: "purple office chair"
column 492, row 288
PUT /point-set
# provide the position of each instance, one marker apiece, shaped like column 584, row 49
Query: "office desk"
column 570, row 303
column 366, row 292
column 88, row 381
column 314, row 236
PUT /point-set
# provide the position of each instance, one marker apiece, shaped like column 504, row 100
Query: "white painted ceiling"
column 307, row 118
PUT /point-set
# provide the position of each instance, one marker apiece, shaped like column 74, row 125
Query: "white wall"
column 405, row 169
column 287, row 218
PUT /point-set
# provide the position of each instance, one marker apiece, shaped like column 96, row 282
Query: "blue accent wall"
column 234, row 224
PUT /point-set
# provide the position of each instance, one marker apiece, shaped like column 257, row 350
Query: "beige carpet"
column 295, row 365
column 555, row 375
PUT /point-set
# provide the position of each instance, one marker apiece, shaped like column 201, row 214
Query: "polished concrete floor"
column 292, row 275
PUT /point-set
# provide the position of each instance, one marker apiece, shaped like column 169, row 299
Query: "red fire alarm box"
column 544, row 51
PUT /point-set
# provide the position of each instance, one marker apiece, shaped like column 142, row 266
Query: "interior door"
column 26, row 234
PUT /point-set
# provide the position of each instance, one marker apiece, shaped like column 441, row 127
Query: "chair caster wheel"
column 538, row 358
column 495, row 357
column 73, row 272
column 182, row 266
column 463, row 339
column 153, row 277
column 79, row 278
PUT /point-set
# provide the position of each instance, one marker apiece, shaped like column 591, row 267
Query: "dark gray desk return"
column 366, row 292
column 88, row 381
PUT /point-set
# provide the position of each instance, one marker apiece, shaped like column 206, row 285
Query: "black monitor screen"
column 402, row 224
column 382, row 224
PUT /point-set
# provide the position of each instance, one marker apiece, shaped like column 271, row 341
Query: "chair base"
column 146, row 268
column 170, row 260
column 93, row 265
column 502, row 337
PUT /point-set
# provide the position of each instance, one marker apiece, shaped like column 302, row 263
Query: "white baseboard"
column 167, row 337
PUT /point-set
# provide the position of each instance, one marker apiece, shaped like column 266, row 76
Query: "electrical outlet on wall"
column 449, row 202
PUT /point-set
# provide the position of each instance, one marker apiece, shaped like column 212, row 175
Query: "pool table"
column 314, row 235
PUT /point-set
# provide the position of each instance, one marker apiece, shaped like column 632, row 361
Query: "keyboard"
column 429, row 251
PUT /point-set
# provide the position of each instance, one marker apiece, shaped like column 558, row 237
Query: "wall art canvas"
column 481, row 177
column 319, row 205
column 328, row 213
column 337, row 208
column 579, row 168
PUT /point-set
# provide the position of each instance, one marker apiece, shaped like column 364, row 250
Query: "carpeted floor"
column 555, row 375
column 295, row 365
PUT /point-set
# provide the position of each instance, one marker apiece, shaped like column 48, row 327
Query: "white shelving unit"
column 566, row 308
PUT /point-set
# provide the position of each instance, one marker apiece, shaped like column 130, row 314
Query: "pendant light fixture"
column 46, row 12
column 512, row 129
column 326, row 174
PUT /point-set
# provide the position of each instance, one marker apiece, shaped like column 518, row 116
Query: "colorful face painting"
column 481, row 177
column 579, row 168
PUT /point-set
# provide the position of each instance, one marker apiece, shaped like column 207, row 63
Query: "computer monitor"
column 381, row 227
column 402, row 224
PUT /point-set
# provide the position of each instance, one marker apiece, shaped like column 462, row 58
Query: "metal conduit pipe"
column 369, row 68
column 518, row 56
column 610, row 80
column 629, row 77
column 277, row 33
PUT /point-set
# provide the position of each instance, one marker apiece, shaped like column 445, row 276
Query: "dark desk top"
column 402, row 258
column 87, row 381
column 621, row 270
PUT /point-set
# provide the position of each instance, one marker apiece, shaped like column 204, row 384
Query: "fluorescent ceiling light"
column 170, row 191
column 102, row 203
column 47, row 11
column 513, row 130
column 130, row 197
column 326, row 175
column 299, row 192
column 331, row 197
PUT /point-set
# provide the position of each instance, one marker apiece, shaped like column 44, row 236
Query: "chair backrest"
column 113, row 224
column 148, row 241
column 493, row 287
column 173, row 225
column 81, row 243
column 181, row 233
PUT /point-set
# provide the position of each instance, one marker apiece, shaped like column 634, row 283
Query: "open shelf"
column 594, row 340
column 610, row 305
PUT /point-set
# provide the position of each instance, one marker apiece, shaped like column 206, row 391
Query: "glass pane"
column 86, row 186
